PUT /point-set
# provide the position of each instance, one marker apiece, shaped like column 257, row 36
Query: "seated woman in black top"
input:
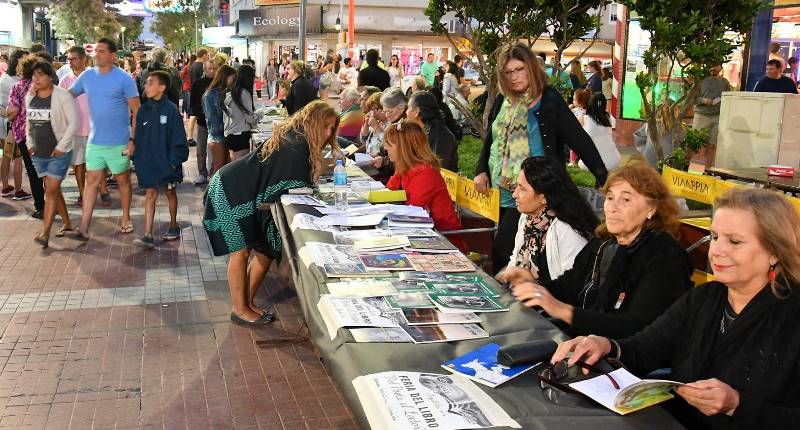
column 629, row 274
column 734, row 341
column 423, row 109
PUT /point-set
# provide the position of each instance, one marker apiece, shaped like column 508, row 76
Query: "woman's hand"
column 592, row 347
column 710, row 396
column 11, row 112
column 377, row 162
column 56, row 153
column 531, row 295
column 482, row 183
column 517, row 275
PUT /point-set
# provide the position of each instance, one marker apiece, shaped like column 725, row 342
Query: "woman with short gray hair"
column 394, row 103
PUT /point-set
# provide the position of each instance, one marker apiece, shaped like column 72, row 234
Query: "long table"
column 521, row 398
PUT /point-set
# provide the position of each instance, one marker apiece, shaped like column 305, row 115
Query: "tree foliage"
column 687, row 37
column 134, row 26
column 85, row 20
column 168, row 25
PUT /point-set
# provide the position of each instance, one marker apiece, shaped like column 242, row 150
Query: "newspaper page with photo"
column 412, row 400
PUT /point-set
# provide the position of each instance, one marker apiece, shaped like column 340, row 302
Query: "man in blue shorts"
column 113, row 99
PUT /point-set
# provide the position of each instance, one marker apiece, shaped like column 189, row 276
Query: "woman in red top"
column 417, row 172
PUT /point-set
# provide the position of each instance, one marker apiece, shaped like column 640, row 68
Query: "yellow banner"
column 463, row 192
column 795, row 202
column 694, row 187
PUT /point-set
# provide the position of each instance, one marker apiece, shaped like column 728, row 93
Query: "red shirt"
column 425, row 187
column 186, row 79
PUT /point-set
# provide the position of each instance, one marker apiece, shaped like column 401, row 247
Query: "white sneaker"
column 200, row 180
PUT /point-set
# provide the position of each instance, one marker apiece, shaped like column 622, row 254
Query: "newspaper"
column 338, row 312
column 413, row 400
column 310, row 222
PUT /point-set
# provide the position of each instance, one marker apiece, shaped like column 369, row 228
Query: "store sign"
column 278, row 21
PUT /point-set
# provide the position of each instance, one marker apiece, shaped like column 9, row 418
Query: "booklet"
column 423, row 316
column 482, row 367
column 361, row 288
column 431, row 244
column 403, row 286
column 378, row 243
column 461, row 289
column 444, row 332
column 338, row 261
column 338, row 312
column 409, row 300
column 411, row 232
column 362, row 220
column 410, row 221
column 441, row 263
column 380, row 335
column 461, row 304
column 423, row 276
column 633, row 393
column 413, row 400
column 350, row 237
column 385, row 261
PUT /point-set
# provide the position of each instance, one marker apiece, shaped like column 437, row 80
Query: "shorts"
column 100, row 157
column 707, row 122
column 79, row 150
column 238, row 142
column 11, row 150
column 3, row 127
column 53, row 167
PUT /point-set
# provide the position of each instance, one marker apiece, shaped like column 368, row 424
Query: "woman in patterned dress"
column 291, row 158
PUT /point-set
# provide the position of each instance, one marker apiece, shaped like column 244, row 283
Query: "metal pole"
column 302, row 41
column 196, row 46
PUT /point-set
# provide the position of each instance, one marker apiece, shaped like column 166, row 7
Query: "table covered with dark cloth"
column 521, row 398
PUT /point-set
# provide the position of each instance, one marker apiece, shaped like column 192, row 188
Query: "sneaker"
column 191, row 143
column 200, row 180
column 145, row 242
column 38, row 214
column 171, row 234
column 7, row 191
column 21, row 195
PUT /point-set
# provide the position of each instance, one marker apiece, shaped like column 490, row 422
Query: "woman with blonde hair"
column 734, row 341
column 291, row 158
column 530, row 119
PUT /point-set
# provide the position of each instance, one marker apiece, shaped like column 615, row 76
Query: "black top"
column 443, row 144
column 196, row 99
column 301, row 93
column 559, row 129
column 759, row 355
column 174, row 90
column 595, row 83
column 641, row 282
column 780, row 85
column 373, row 76
column 196, row 72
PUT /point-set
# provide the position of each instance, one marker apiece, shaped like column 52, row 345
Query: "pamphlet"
column 410, row 221
column 409, row 300
column 481, row 366
column 310, row 222
column 351, row 236
column 633, row 393
column 441, row 263
column 423, row 276
column 460, row 304
column 445, row 332
column 412, row 401
column 387, row 261
column 363, row 220
column 460, row 289
column 418, row 316
column 329, row 198
column 338, row 312
column 379, row 243
column 338, row 261
column 293, row 199
column 404, row 286
column 411, row 232
column 431, row 244
column 361, row 288
column 380, row 335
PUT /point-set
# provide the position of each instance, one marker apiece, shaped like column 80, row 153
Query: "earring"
column 772, row 274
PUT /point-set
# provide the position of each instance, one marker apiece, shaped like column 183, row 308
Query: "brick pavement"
column 105, row 335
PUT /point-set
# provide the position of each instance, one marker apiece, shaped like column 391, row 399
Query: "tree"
column 85, row 20
column 689, row 37
column 489, row 25
column 187, row 15
column 134, row 26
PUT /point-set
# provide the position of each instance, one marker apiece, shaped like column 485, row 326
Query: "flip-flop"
column 63, row 231
column 126, row 229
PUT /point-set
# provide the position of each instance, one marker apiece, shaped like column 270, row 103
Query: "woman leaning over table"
column 235, row 225
column 557, row 220
column 629, row 274
column 530, row 119
column 734, row 341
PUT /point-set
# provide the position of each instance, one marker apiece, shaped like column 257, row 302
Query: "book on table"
column 410, row 231
column 410, row 221
column 457, row 304
column 435, row 333
column 449, row 288
column 381, row 243
column 350, row 237
column 482, row 367
column 632, row 395
column 409, row 300
column 430, row 244
column 441, row 263
column 386, row 261
column 426, row 316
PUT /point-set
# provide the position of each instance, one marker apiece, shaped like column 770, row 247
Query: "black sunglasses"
column 552, row 373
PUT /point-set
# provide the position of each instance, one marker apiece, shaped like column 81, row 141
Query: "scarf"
column 533, row 241
column 513, row 140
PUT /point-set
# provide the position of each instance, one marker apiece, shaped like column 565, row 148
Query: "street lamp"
column 122, row 29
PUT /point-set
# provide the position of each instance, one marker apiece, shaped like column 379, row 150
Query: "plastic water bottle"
column 340, row 186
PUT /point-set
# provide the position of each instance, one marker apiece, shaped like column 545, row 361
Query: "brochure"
column 338, row 312
column 380, row 335
column 409, row 300
column 293, row 199
column 481, row 366
column 460, row 289
column 365, row 288
column 410, row 221
column 441, row 263
column 411, row 232
column 310, row 222
column 412, row 401
column 338, row 261
column 350, row 237
column 633, row 393
column 431, row 244
column 423, row 276
column 363, row 220
column 385, row 261
column 417, row 316
column 378, row 243
column 409, row 286
column 460, row 304
column 445, row 332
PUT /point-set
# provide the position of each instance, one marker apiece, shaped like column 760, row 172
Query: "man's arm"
column 133, row 107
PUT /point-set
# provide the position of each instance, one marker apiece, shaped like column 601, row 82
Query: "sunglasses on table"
column 551, row 374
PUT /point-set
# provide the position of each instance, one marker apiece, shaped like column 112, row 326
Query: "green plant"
column 692, row 142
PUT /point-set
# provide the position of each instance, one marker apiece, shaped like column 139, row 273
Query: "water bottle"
column 340, row 186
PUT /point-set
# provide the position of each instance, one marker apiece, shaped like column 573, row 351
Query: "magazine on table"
column 409, row 300
column 441, row 263
column 444, row 332
column 431, row 244
column 380, row 335
column 379, row 243
column 411, row 232
column 350, row 237
column 294, row 199
column 403, row 286
column 410, row 221
column 425, row 316
column 412, row 401
column 361, row 220
column 385, row 261
column 633, row 393
column 423, row 276
column 361, row 288
column 477, row 288
column 338, row 312
column 458, row 304
column 310, row 222
column 482, row 367
column 338, row 261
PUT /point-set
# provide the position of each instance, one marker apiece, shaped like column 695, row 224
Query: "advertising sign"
column 278, row 21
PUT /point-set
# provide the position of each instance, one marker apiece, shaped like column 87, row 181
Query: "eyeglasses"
column 551, row 374
column 518, row 71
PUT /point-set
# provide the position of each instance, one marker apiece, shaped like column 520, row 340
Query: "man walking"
column 76, row 57
column 195, row 74
column 196, row 102
column 373, row 75
column 428, row 70
column 706, row 111
column 113, row 99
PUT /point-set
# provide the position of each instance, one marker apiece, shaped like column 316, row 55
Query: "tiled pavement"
column 104, row 335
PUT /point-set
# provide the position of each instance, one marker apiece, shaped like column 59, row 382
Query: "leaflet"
column 361, row 288
column 338, row 312
column 363, row 220
column 444, row 332
column 310, row 222
column 380, row 335
column 295, row 199
column 481, row 366
column 459, row 304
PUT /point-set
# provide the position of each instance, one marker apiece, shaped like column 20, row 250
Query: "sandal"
column 64, row 231
column 126, row 229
